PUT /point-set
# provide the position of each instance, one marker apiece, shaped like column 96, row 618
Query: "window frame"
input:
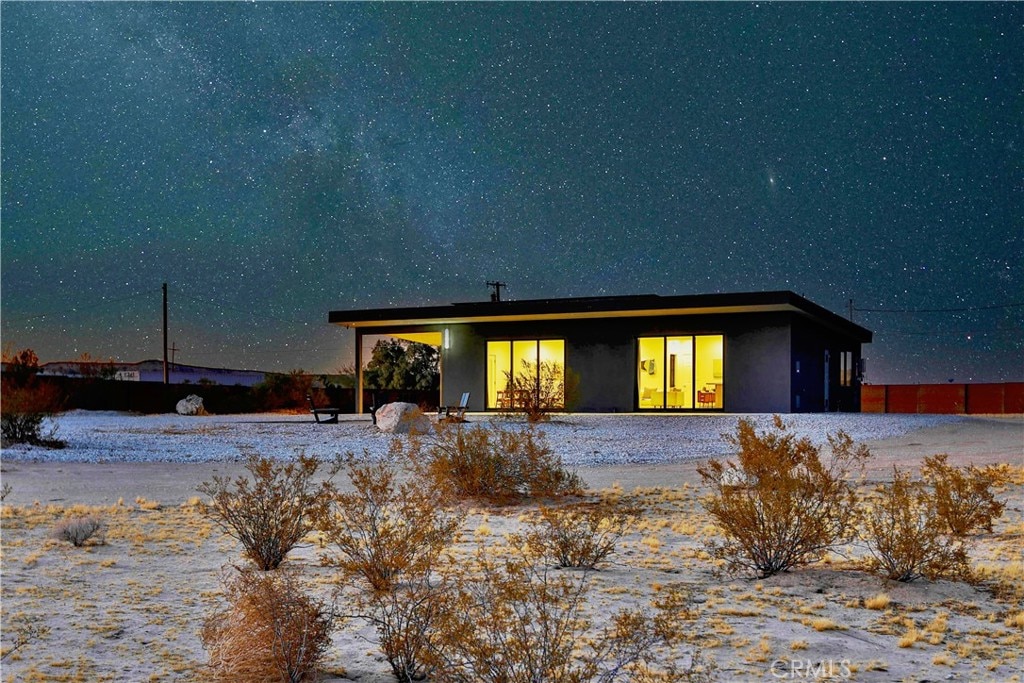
column 511, row 342
column 692, row 399
column 846, row 372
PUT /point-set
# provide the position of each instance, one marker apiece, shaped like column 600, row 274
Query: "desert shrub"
column 582, row 535
column 905, row 535
column 21, row 630
column 515, row 619
column 406, row 618
column 964, row 500
column 538, row 391
column 389, row 537
column 280, row 391
column 89, row 367
column 26, row 402
column 497, row 465
column 385, row 529
column 271, row 630
column 79, row 530
column 270, row 514
column 5, row 490
column 780, row 506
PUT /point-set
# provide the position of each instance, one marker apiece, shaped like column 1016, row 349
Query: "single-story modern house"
column 740, row 352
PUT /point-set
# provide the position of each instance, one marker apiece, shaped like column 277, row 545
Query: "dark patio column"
column 359, row 371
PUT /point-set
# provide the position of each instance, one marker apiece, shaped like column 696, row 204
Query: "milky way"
column 272, row 162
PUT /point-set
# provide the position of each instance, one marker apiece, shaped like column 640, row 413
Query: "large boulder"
column 191, row 405
column 402, row 418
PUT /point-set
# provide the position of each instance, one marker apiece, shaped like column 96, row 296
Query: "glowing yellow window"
column 651, row 372
column 499, row 363
column 522, row 372
column 683, row 372
column 708, row 371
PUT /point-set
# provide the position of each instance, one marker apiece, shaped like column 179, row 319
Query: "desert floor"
column 131, row 609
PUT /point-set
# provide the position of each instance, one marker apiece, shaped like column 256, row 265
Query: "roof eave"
column 596, row 308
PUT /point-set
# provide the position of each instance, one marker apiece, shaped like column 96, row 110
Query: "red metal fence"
column 970, row 399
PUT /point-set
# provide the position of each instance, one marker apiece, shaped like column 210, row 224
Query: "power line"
column 982, row 333
column 963, row 309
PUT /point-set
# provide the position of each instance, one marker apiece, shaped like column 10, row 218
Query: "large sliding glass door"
column 682, row 372
column 524, row 372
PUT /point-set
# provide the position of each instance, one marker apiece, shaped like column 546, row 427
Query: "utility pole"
column 851, row 310
column 496, row 294
column 167, row 376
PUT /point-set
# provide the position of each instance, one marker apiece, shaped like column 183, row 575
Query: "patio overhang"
column 429, row 338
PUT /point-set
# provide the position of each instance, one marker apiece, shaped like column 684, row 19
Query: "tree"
column 22, row 366
column 26, row 401
column 343, row 377
column 90, row 367
column 400, row 365
column 283, row 390
column 423, row 366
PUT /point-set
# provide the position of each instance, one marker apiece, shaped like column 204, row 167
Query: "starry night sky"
column 273, row 162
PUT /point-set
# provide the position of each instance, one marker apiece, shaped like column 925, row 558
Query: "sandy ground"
column 131, row 609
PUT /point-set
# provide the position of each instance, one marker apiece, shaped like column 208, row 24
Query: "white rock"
column 402, row 418
column 191, row 405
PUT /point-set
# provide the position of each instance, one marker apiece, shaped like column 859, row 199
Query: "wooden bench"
column 323, row 415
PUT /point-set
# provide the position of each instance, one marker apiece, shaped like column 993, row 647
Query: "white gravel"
column 580, row 439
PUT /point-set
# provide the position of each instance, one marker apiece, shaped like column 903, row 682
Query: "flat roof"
column 634, row 306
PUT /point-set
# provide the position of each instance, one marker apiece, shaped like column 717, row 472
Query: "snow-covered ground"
column 580, row 439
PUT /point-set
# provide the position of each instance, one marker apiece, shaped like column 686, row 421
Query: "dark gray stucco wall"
column 603, row 354
column 810, row 341
column 603, row 357
column 462, row 367
column 757, row 367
